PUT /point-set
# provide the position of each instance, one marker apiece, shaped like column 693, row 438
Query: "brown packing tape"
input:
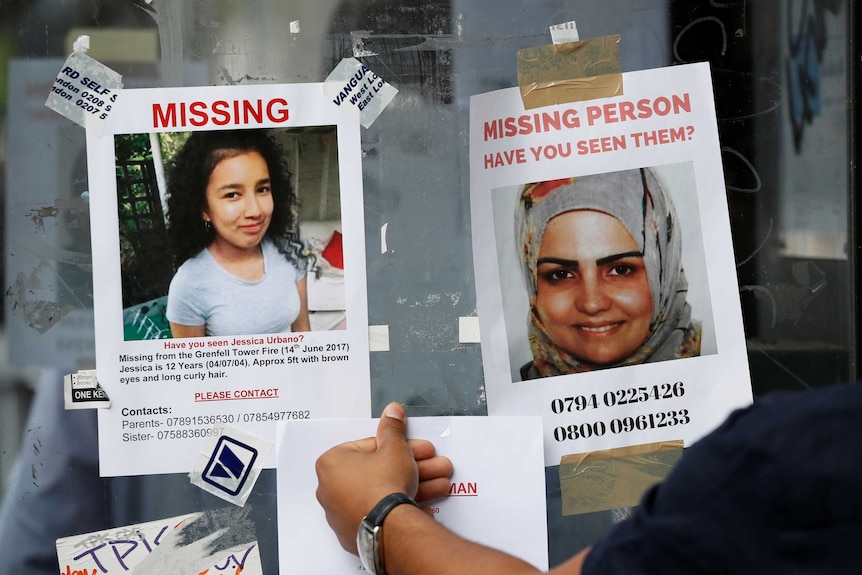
column 614, row 478
column 622, row 451
column 570, row 72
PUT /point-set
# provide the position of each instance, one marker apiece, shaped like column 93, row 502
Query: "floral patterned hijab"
column 638, row 201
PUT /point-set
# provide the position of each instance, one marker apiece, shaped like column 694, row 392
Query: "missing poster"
column 229, row 268
column 607, row 290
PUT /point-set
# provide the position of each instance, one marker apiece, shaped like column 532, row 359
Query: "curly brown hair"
column 187, row 183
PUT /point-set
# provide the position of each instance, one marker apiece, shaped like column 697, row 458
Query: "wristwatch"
column 369, row 537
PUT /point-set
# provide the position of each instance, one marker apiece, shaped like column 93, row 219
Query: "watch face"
column 366, row 541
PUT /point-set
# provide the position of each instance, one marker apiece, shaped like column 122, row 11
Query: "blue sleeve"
column 775, row 489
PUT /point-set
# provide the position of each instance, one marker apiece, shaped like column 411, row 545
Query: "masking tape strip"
column 357, row 41
column 622, row 451
column 221, row 540
column 127, row 45
column 81, row 390
column 229, row 464
column 378, row 338
column 570, row 72
column 614, row 478
column 564, row 33
column 468, row 330
column 84, row 90
column 351, row 84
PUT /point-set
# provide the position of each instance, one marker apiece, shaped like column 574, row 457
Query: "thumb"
column 393, row 425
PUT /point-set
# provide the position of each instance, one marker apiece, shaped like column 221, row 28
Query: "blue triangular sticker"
column 229, row 459
column 219, row 471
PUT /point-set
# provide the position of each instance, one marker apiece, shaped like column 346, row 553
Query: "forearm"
column 415, row 544
column 302, row 323
column 179, row 330
column 353, row 476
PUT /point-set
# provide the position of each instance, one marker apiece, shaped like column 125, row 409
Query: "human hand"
column 354, row 476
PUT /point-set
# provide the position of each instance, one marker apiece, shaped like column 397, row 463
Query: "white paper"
column 154, row 547
column 564, row 33
column 81, row 390
column 497, row 489
column 246, row 380
column 85, row 91
column 352, row 85
column 607, row 408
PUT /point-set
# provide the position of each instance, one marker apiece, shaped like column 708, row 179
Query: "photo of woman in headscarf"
column 232, row 227
column 601, row 257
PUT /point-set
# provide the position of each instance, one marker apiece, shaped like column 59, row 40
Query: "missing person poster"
column 606, row 282
column 229, row 268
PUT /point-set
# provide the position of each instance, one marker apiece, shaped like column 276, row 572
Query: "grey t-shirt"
column 202, row 292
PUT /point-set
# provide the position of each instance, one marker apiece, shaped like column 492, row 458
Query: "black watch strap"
column 376, row 516
column 372, row 524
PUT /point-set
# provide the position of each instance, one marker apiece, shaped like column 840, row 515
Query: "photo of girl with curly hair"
column 233, row 230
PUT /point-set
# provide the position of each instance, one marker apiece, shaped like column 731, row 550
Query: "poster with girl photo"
column 228, row 267
column 605, row 276
column 251, row 222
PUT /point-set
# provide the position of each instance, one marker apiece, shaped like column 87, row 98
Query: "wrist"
column 369, row 536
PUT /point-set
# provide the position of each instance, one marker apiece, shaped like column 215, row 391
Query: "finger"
column 432, row 489
column 422, row 449
column 392, row 426
column 434, row 467
column 369, row 444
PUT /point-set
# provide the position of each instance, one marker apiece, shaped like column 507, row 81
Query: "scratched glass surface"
column 780, row 74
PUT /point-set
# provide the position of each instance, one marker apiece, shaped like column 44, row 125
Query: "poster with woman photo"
column 229, row 268
column 606, row 284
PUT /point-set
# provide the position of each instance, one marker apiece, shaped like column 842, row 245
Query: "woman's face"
column 239, row 201
column 592, row 292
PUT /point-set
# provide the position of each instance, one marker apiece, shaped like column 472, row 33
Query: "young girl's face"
column 239, row 201
column 592, row 291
